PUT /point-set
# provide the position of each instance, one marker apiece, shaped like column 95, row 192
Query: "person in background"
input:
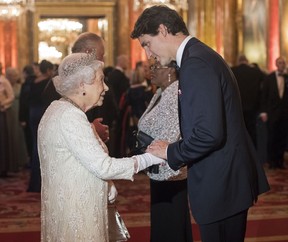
column 224, row 175
column 18, row 155
column 135, row 102
column 117, row 79
column 36, row 69
column 275, row 97
column 169, row 213
column 37, row 107
column 29, row 77
column 250, row 81
column 75, row 165
column 6, row 100
column 118, row 83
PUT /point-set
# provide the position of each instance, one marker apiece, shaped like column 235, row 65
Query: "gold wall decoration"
column 255, row 31
column 76, row 11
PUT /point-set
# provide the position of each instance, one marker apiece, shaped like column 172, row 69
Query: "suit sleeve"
column 202, row 115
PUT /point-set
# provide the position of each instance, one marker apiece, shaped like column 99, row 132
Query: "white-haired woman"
column 75, row 165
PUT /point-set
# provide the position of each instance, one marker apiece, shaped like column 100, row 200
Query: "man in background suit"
column 118, row 83
column 250, row 80
column 275, row 97
column 224, row 176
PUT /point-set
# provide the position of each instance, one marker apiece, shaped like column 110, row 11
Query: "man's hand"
column 102, row 129
column 158, row 148
column 264, row 117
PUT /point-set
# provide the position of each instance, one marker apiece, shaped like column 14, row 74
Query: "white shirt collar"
column 181, row 49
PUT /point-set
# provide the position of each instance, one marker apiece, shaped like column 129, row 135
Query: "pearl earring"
column 169, row 77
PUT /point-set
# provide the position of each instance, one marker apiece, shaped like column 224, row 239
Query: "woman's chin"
column 99, row 103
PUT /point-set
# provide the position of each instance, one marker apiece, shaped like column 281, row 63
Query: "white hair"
column 75, row 69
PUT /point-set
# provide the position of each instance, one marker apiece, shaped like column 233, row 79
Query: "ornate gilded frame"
column 75, row 9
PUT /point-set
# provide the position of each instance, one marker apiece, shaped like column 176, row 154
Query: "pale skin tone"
column 94, row 93
column 163, row 47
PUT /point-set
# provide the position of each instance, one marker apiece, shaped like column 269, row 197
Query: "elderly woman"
column 75, row 165
column 170, row 218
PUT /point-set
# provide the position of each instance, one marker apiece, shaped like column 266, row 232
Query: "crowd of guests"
column 265, row 108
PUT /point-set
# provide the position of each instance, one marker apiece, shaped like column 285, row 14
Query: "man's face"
column 281, row 65
column 156, row 47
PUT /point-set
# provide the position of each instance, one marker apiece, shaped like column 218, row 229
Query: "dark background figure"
column 108, row 112
column 119, row 83
column 275, row 96
column 117, row 79
column 135, row 102
column 250, row 82
column 37, row 107
column 29, row 77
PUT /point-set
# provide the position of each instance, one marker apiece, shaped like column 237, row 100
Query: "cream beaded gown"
column 74, row 169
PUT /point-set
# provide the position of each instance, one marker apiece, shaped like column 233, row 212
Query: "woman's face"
column 96, row 90
column 159, row 75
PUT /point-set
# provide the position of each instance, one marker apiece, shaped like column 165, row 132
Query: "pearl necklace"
column 72, row 102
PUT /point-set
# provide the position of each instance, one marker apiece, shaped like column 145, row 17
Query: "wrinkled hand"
column 158, row 148
column 102, row 129
column 112, row 192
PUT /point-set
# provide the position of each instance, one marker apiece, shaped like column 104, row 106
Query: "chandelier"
column 11, row 9
column 175, row 4
column 56, row 37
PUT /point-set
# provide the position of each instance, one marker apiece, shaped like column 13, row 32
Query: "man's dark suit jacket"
column 118, row 82
column 224, row 176
column 274, row 105
column 250, row 82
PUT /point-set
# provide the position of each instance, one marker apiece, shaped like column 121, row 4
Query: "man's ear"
column 163, row 30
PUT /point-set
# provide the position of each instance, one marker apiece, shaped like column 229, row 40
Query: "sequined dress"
column 160, row 121
column 75, row 169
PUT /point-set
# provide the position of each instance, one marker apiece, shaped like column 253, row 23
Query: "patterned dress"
column 160, row 121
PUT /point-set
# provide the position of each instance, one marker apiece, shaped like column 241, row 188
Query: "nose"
column 106, row 88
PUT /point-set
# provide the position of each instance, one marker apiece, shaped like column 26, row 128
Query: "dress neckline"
column 72, row 102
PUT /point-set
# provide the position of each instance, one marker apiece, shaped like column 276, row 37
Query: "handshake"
column 147, row 160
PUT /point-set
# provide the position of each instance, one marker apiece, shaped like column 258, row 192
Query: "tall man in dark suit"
column 250, row 80
column 275, row 96
column 224, row 176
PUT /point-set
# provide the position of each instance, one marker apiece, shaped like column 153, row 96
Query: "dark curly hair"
column 149, row 21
